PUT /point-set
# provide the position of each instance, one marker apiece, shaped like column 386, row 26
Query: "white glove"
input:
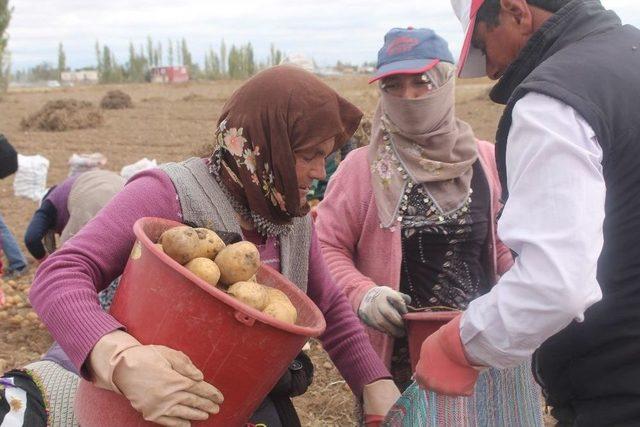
column 382, row 309
column 160, row 383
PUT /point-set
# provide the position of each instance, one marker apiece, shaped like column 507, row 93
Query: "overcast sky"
column 326, row 30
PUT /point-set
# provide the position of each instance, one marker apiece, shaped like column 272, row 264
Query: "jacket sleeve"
column 344, row 339
column 553, row 220
column 43, row 220
column 339, row 226
column 65, row 287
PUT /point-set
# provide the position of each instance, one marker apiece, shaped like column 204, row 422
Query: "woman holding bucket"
column 272, row 138
column 420, row 230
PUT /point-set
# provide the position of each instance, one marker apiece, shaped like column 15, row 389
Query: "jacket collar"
column 575, row 21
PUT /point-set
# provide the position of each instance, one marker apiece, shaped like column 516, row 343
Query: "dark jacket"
column 8, row 158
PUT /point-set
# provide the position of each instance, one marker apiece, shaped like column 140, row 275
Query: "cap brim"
column 410, row 66
column 472, row 62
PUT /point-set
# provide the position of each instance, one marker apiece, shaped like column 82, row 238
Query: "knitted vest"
column 204, row 204
column 585, row 58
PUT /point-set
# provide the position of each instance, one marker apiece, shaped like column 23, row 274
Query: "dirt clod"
column 116, row 100
column 62, row 115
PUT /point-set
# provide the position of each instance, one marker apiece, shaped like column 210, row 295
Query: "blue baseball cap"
column 410, row 51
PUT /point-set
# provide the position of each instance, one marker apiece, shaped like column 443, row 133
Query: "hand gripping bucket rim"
column 420, row 325
column 240, row 350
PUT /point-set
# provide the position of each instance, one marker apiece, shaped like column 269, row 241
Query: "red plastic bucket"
column 241, row 351
column 422, row 324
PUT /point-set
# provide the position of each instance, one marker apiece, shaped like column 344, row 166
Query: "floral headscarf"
column 273, row 115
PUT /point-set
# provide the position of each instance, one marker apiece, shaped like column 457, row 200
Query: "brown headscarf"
column 279, row 111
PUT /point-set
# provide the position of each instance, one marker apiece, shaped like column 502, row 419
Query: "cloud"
column 328, row 31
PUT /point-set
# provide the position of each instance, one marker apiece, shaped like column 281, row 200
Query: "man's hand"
column 443, row 367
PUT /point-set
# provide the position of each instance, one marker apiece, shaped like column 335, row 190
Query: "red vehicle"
column 177, row 74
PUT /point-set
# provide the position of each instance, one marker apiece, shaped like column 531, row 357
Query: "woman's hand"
column 162, row 384
column 377, row 399
column 382, row 309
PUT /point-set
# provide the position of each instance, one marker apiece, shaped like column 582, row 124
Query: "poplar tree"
column 62, row 60
column 5, row 19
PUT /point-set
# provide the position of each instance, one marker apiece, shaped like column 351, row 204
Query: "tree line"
column 235, row 62
column 5, row 60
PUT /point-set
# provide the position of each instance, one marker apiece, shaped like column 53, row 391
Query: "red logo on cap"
column 401, row 45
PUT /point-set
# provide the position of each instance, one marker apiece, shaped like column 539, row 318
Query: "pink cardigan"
column 361, row 255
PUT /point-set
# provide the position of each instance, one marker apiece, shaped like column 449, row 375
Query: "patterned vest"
column 204, row 204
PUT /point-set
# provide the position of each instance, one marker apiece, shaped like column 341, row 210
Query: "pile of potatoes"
column 231, row 268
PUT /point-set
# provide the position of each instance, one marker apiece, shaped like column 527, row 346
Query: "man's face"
column 502, row 43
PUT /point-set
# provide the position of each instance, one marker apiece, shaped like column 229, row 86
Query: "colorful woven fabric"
column 506, row 398
column 59, row 388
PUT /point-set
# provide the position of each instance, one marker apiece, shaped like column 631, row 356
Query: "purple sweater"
column 64, row 291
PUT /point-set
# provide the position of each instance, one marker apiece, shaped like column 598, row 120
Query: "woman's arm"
column 43, row 220
column 504, row 258
column 339, row 225
column 64, row 292
column 344, row 339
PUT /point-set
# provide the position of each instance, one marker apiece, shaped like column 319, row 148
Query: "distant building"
column 348, row 69
column 177, row 74
column 328, row 72
column 366, row 69
column 70, row 78
column 301, row 61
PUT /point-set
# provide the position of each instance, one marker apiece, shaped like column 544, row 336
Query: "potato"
column 238, row 262
column 252, row 294
column 180, row 243
column 16, row 320
column 276, row 295
column 210, row 243
column 279, row 306
column 159, row 246
column 205, row 269
column 283, row 311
